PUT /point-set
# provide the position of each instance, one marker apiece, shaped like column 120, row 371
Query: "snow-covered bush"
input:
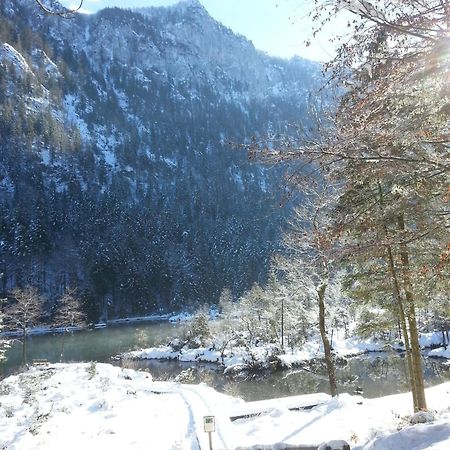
column 422, row 417
column 195, row 334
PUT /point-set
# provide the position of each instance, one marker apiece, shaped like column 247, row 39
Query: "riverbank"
column 238, row 359
column 94, row 406
column 174, row 318
column 268, row 356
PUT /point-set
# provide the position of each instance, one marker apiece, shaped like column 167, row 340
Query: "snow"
column 181, row 317
column 267, row 406
column 70, row 104
column 440, row 353
column 110, row 158
column 12, row 56
column 171, row 162
column 239, row 357
column 122, row 99
column 431, row 339
column 101, row 406
column 364, row 424
column 45, row 155
column 41, row 59
column 94, row 406
column 185, row 316
column 419, row 438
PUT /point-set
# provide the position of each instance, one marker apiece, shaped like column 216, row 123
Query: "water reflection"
column 89, row 345
column 374, row 374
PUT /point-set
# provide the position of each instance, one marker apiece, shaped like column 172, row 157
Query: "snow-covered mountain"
column 115, row 172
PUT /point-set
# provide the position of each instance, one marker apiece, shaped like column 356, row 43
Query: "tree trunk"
column 402, row 320
column 416, row 356
column 62, row 345
column 24, row 347
column 326, row 343
column 282, row 324
column 400, row 306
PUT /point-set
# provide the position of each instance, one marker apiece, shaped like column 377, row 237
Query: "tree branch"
column 66, row 13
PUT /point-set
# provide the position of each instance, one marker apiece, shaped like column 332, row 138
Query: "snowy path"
column 199, row 405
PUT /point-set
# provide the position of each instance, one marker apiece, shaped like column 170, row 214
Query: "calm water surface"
column 376, row 374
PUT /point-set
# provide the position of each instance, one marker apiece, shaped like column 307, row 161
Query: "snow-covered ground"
column 99, row 406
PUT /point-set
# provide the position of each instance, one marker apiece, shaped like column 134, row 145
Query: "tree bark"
column 400, row 306
column 326, row 343
column 282, row 324
column 416, row 356
column 62, row 346
column 402, row 319
column 24, row 347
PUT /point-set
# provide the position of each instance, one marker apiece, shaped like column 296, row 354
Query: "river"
column 376, row 374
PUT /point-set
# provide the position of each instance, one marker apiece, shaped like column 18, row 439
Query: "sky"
column 277, row 27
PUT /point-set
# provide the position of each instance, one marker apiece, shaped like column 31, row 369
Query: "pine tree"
column 388, row 147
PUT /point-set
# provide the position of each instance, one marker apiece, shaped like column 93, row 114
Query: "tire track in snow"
column 198, row 408
column 192, row 424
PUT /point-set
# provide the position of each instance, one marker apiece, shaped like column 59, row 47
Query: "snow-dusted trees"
column 26, row 309
column 24, row 312
column 4, row 343
column 388, row 146
column 278, row 314
column 312, row 251
column 69, row 312
column 257, row 316
column 392, row 133
column 197, row 332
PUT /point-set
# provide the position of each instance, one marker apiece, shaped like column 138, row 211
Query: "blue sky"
column 278, row 27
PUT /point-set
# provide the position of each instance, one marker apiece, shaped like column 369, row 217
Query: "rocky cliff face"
column 116, row 176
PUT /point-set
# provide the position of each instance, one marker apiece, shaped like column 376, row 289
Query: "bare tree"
column 312, row 256
column 69, row 313
column 4, row 343
column 24, row 312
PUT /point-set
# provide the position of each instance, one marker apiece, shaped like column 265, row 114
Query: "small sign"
column 209, row 422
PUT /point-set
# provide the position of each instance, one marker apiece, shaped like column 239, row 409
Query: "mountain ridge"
column 116, row 173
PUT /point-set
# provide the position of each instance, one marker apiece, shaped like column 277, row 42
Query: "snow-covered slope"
column 116, row 154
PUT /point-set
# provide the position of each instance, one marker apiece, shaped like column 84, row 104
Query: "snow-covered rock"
column 10, row 56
